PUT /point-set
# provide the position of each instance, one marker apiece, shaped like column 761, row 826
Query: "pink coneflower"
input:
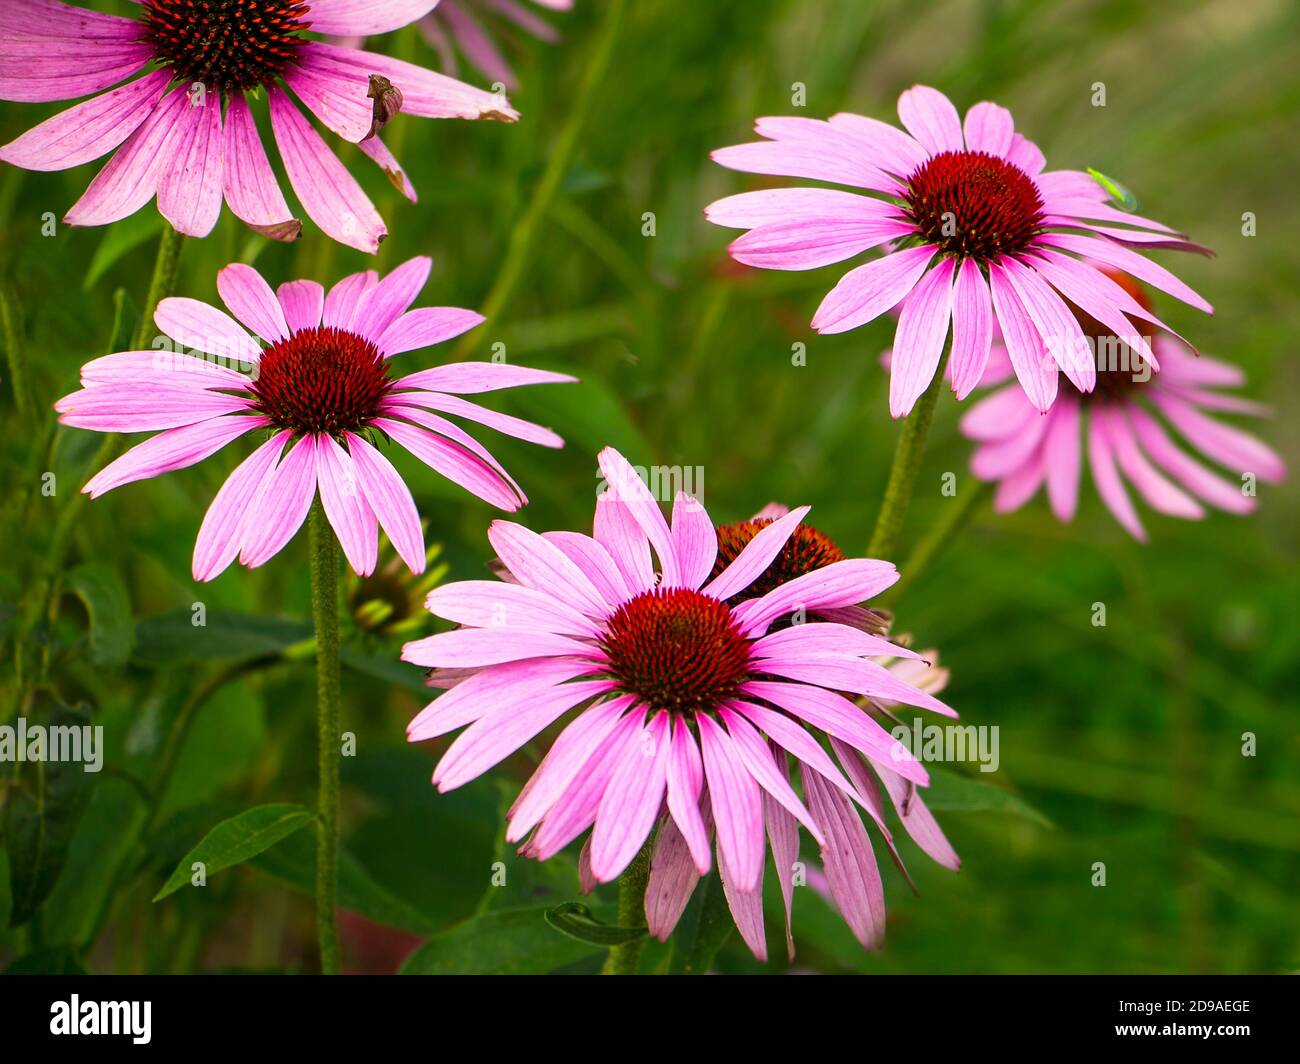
column 319, row 383
column 973, row 231
column 1122, row 424
column 174, row 140
column 692, row 688
column 465, row 26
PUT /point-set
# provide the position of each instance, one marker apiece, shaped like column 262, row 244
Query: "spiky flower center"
column 228, row 45
column 676, row 649
column 974, row 204
column 321, row 380
column 805, row 551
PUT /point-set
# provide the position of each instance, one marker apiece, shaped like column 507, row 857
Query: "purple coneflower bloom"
column 693, row 684
column 174, row 140
column 458, row 25
column 974, row 232
column 319, row 383
column 1122, row 426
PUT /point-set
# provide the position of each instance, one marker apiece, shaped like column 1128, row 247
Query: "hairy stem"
column 325, row 613
column 623, row 960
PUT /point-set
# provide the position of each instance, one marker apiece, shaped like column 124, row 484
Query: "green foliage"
column 234, row 841
column 1126, row 739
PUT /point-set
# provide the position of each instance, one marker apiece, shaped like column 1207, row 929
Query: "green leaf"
column 1119, row 194
column 101, row 591
column 120, row 238
column 703, row 929
column 234, row 841
column 44, row 804
column 575, row 920
column 294, row 864
column 501, row 942
column 172, row 639
column 951, row 792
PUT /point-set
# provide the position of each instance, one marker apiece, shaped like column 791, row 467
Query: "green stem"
column 15, row 349
column 557, row 166
column 325, row 612
column 907, row 463
column 623, row 960
column 955, row 517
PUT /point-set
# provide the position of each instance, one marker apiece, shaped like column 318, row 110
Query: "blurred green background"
column 1119, row 744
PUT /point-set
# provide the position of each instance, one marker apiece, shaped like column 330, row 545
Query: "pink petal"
column 302, row 303
column 345, row 505
column 623, row 482
column 391, row 297
column 250, row 184
column 695, row 542
column 221, row 534
column 88, row 130
column 498, row 734
column 685, row 779
column 630, row 805
column 922, row 334
column 281, row 506
column 467, row 378
column 130, row 179
column 1035, row 369
column 425, row 327
column 328, row 193
column 759, row 553
column 931, row 118
column 391, row 501
column 673, row 876
column 972, row 328
column 850, row 864
column 250, row 299
column 737, row 806
column 173, row 449
column 989, row 128
column 864, row 293
column 537, row 563
column 189, row 186
column 494, row 603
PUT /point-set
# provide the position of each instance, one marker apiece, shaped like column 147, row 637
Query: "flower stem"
column 15, row 348
column 623, row 960
column 957, row 514
column 902, row 474
column 325, row 612
column 559, row 155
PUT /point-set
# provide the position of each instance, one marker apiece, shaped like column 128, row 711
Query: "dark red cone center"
column 974, row 204
column 321, row 380
column 805, row 551
column 228, row 45
column 677, row 650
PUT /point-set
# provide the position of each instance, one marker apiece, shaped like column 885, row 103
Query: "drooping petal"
column 189, row 186
column 864, row 293
column 922, row 334
column 173, row 449
column 250, row 185
column 345, row 505
column 391, row 501
column 281, row 505
column 737, row 806
column 88, row 130
column 630, row 804
column 328, row 193
column 850, row 865
column 220, row 536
